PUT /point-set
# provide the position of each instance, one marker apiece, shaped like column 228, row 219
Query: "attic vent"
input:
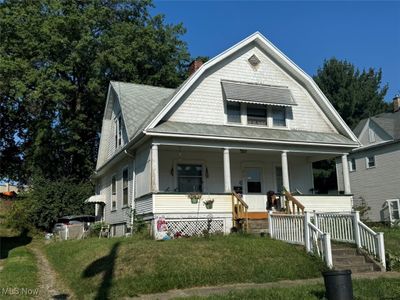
column 253, row 60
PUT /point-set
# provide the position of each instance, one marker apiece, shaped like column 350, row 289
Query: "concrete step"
column 356, row 259
column 344, row 251
column 355, row 268
column 347, row 258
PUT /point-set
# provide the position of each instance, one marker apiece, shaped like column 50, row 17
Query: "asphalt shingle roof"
column 390, row 123
column 140, row 103
column 251, row 133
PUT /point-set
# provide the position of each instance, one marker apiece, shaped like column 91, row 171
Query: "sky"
column 366, row 34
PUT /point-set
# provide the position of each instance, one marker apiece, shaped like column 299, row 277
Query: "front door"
column 253, row 192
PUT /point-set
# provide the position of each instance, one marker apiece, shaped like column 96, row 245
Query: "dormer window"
column 256, row 114
column 233, row 112
column 257, row 104
column 279, row 116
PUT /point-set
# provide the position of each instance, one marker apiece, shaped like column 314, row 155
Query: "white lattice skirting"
column 195, row 227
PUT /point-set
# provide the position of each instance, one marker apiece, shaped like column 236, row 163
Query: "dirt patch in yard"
column 50, row 286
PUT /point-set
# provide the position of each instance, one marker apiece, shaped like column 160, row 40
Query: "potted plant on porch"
column 209, row 203
column 195, row 197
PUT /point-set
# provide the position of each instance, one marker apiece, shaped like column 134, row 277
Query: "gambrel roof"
column 144, row 108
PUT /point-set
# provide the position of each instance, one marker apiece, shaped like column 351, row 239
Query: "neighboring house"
column 375, row 167
column 248, row 120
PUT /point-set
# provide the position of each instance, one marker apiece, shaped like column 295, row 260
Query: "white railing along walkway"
column 350, row 229
column 298, row 229
column 316, row 234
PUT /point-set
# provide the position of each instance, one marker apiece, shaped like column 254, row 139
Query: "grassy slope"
column 362, row 289
column 392, row 242
column 129, row 266
column 18, row 262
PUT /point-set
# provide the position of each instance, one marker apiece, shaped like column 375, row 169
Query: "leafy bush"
column 19, row 215
column 48, row 200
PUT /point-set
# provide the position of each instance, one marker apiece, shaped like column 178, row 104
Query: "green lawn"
column 365, row 289
column 19, row 274
column 121, row 267
column 392, row 245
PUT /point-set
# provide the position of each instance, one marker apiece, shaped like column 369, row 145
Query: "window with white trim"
column 352, row 164
column 118, row 123
column 190, row 178
column 256, row 114
column 125, row 187
column 233, row 112
column 370, row 160
column 113, row 193
column 279, row 116
column 253, row 180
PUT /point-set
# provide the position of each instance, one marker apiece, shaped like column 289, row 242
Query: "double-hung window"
column 253, row 178
column 118, row 131
column 113, row 193
column 233, row 112
column 256, row 114
column 352, row 164
column 125, row 185
column 370, row 161
column 190, row 178
column 279, row 116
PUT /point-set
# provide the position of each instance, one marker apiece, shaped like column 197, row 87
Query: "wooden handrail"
column 239, row 212
column 240, row 199
column 295, row 203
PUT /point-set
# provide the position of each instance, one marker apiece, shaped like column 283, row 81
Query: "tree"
column 354, row 94
column 56, row 60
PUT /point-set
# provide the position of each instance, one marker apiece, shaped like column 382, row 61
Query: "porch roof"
column 268, row 134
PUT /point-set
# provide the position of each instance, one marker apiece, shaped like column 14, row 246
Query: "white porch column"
column 227, row 172
column 346, row 176
column 285, row 171
column 154, row 168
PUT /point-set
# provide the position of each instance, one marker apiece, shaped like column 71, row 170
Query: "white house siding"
column 204, row 103
column 375, row 185
column 322, row 203
column 143, row 171
column 300, row 171
column 144, row 205
column 121, row 214
column 110, row 137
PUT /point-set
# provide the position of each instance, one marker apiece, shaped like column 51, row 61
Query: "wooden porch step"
column 257, row 215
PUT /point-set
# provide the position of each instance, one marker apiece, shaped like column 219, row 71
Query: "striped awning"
column 257, row 93
column 96, row 199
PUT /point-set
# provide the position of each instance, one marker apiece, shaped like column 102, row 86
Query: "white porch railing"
column 316, row 236
column 298, row 229
column 288, row 228
column 350, row 229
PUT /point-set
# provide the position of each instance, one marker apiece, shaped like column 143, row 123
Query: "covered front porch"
column 251, row 171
